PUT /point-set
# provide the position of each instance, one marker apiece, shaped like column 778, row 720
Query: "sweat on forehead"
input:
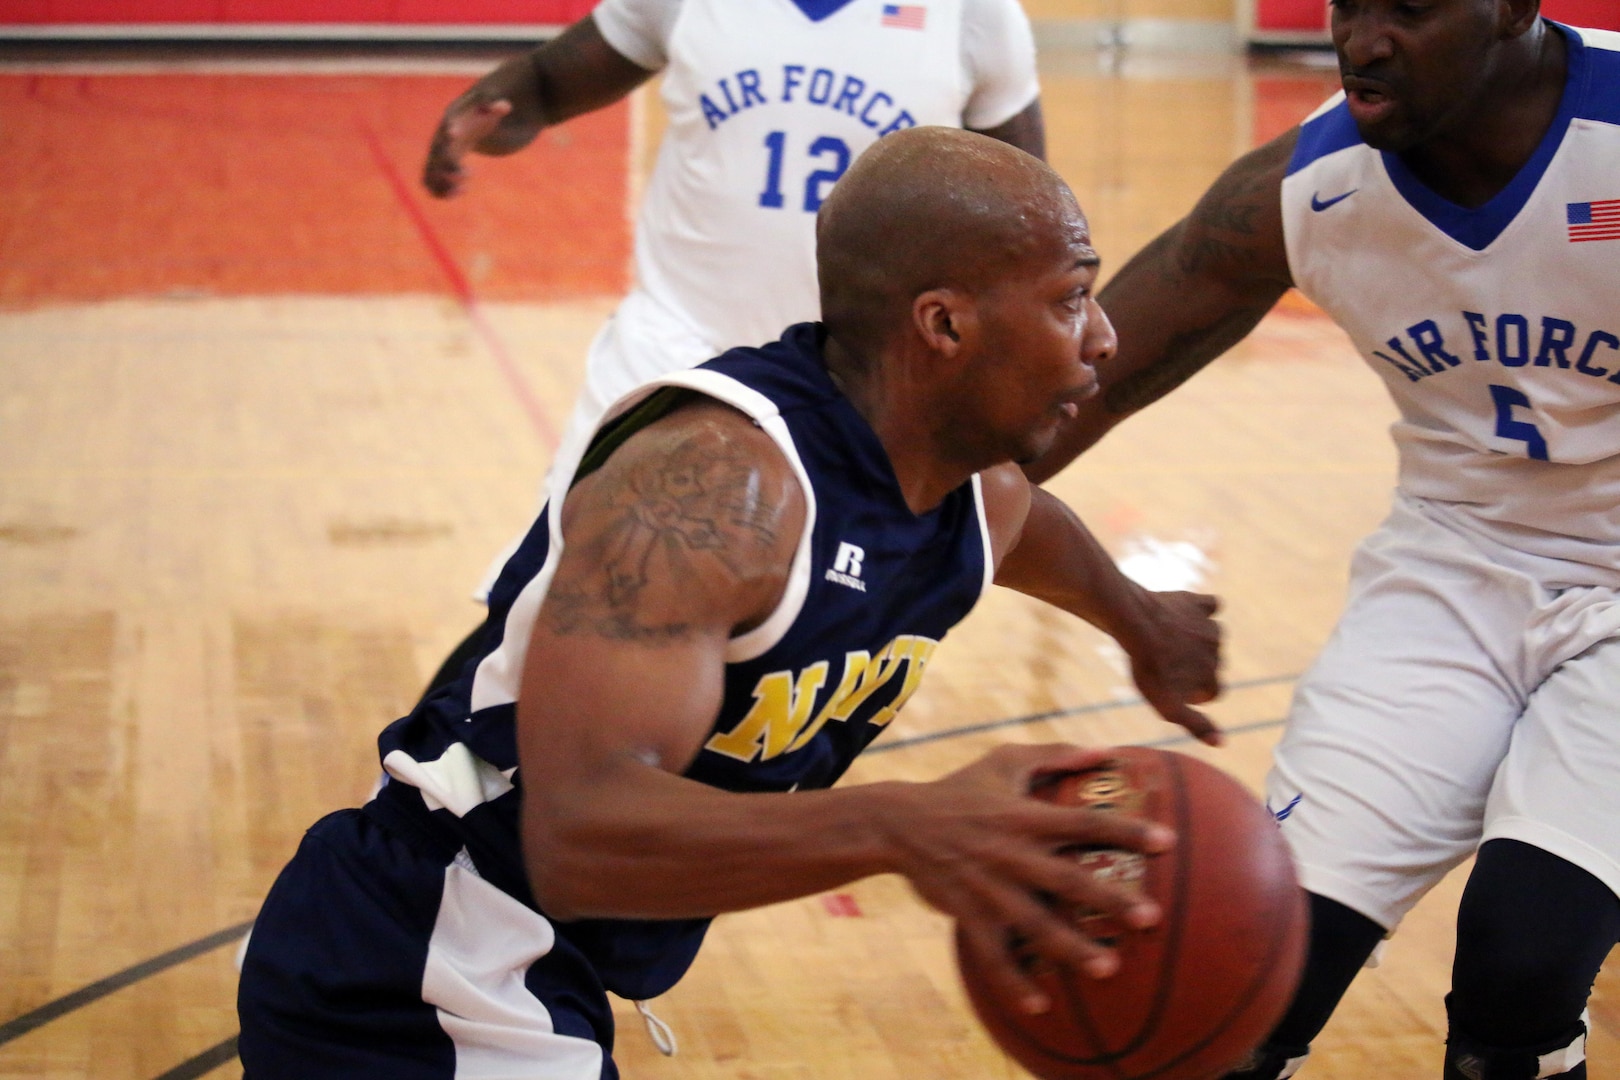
column 937, row 206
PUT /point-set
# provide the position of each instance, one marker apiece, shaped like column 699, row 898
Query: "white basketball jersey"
column 1497, row 329
column 768, row 103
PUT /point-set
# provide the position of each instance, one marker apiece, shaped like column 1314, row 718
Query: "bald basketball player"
column 750, row 571
column 766, row 106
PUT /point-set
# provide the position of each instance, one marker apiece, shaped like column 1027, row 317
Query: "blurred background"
column 267, row 410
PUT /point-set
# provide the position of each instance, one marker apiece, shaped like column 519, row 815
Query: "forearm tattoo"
column 1224, row 228
column 1228, row 246
column 1184, row 356
column 665, row 528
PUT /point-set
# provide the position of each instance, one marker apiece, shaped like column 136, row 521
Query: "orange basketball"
column 1197, row 993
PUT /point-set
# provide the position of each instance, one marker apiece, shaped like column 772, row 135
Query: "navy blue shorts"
column 373, row 958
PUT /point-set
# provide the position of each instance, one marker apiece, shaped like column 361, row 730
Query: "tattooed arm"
column 575, row 72
column 681, row 539
column 1190, row 295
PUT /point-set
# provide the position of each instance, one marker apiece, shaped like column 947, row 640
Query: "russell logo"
column 846, row 567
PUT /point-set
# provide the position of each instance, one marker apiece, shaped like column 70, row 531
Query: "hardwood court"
column 266, row 411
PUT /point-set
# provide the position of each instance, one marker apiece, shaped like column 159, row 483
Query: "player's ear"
column 1516, row 16
column 946, row 319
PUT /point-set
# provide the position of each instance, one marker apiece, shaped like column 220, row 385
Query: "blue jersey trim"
column 816, row 10
column 1323, row 135
column 1600, row 96
column 1478, row 227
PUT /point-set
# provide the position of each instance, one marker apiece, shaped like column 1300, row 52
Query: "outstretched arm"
column 683, row 538
column 1172, row 640
column 576, row 72
column 1191, row 294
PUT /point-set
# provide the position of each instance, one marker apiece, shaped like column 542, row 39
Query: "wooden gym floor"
column 266, row 410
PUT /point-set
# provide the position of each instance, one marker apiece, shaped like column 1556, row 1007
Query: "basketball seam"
column 1111, row 1060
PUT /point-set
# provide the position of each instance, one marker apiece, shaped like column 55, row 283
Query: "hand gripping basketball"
column 1196, row 993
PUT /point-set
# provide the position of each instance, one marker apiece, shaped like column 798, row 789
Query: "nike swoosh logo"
column 1319, row 204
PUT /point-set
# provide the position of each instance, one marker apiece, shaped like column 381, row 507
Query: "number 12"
column 817, row 183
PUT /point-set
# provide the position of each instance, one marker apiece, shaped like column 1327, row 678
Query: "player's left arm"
column 998, row 51
column 1043, row 549
column 1027, row 130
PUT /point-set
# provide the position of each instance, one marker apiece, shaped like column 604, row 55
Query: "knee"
column 1532, row 932
column 1502, row 967
column 1341, row 940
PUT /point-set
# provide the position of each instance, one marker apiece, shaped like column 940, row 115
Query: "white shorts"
column 1457, row 701
column 641, row 341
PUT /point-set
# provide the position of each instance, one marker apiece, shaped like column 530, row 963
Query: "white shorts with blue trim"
column 1459, row 700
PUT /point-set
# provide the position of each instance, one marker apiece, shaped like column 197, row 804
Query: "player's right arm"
column 682, row 539
column 576, row 72
column 1187, row 297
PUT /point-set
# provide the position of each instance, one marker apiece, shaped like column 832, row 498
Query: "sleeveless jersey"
column 873, row 589
column 768, row 103
column 1496, row 329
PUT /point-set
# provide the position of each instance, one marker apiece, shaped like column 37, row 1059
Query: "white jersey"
column 769, row 101
column 1497, row 330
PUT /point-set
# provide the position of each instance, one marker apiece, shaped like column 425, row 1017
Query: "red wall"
column 1295, row 16
column 302, row 12
column 1602, row 14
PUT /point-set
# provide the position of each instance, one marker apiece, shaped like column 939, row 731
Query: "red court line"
column 461, row 287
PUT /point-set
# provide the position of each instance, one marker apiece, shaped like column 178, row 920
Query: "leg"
column 1381, row 778
column 372, row 960
column 1541, row 912
column 1341, row 940
column 1532, row 932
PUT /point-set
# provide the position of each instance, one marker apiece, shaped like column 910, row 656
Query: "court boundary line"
column 19, row 1026
column 205, row 1062
column 1073, row 710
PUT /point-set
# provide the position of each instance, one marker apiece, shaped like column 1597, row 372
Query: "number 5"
column 1506, row 398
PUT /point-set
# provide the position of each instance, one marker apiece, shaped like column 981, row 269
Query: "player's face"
column 1412, row 69
column 1043, row 334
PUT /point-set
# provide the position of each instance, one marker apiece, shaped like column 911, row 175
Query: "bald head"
column 931, row 208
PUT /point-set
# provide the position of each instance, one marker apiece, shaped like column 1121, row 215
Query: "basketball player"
column 767, row 106
column 1457, row 211
column 750, row 572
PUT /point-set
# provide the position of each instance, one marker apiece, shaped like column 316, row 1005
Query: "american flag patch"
column 905, row 16
column 1594, row 220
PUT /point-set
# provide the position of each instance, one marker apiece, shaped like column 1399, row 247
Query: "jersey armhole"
column 984, row 536
column 998, row 54
column 638, row 30
column 763, row 411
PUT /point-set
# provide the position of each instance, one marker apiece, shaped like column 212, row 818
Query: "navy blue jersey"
column 872, row 591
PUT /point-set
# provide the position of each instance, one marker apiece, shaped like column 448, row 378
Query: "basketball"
column 1197, row 993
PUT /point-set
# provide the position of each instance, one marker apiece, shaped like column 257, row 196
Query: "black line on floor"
column 83, row 996
column 1075, row 710
column 203, row 1063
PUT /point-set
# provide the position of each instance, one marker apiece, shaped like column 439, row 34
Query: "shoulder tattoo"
column 661, row 534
